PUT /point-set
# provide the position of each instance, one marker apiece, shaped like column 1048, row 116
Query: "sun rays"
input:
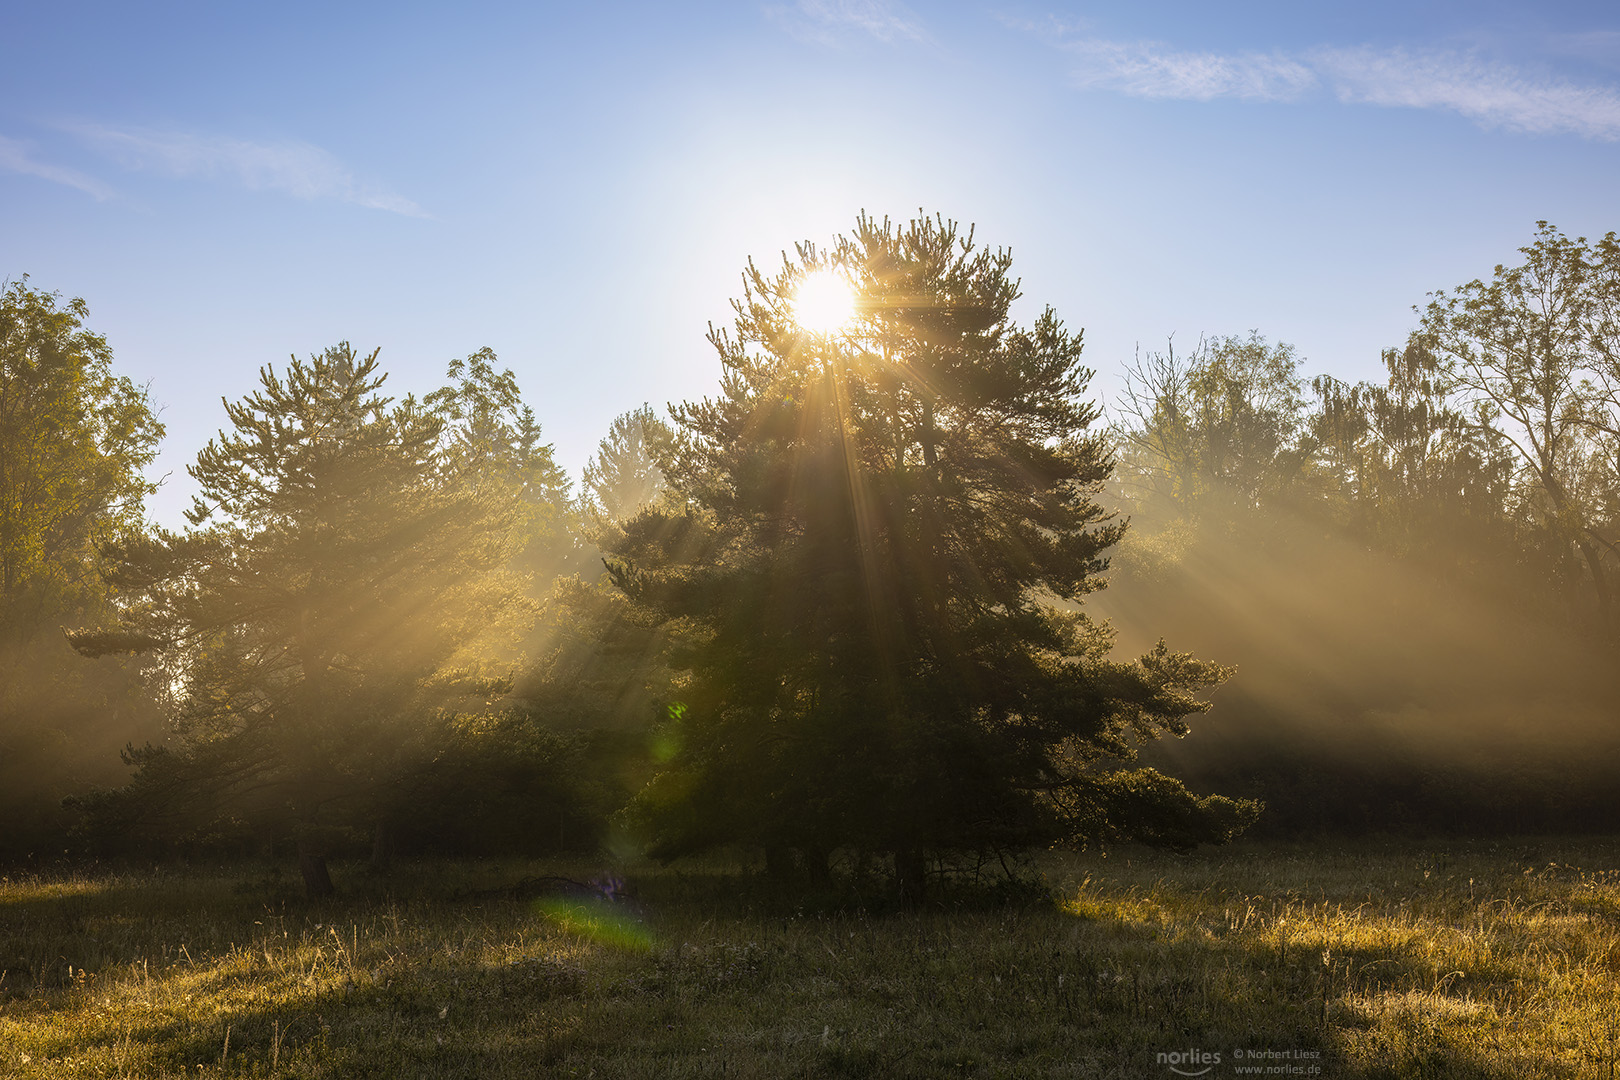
column 824, row 302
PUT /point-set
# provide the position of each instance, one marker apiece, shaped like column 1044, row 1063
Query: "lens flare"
column 824, row 302
column 598, row 920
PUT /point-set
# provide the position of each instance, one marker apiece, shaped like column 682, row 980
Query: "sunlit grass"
column 1465, row 960
column 28, row 889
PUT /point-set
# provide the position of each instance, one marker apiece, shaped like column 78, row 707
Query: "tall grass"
column 1444, row 961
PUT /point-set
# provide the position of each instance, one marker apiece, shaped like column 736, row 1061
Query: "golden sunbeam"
column 824, row 302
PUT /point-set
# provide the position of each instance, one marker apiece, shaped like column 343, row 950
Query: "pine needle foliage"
column 873, row 580
column 319, row 622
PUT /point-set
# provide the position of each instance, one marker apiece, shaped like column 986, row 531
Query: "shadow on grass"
column 1270, row 1005
column 736, row 973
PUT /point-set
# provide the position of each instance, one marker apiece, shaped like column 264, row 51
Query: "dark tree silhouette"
column 315, row 622
column 872, row 581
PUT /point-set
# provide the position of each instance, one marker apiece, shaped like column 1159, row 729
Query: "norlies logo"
column 1189, row 1062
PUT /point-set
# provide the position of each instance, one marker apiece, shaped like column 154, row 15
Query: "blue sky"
column 579, row 186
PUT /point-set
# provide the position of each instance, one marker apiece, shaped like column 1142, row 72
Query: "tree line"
column 1447, row 534
column 843, row 609
column 1501, row 410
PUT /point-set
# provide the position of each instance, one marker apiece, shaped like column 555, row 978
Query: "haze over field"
column 882, row 460
column 577, row 187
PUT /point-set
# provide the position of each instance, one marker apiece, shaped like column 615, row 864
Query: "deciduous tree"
column 1530, row 358
column 1219, row 425
column 74, row 441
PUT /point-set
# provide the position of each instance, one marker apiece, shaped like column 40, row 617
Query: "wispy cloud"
column 1146, row 69
column 1491, row 94
column 298, row 169
column 18, row 157
column 831, row 22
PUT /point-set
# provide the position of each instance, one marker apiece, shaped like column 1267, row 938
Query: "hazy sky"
column 579, row 186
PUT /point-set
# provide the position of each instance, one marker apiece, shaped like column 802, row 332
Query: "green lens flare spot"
column 596, row 920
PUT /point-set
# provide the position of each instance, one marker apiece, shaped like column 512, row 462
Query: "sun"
column 824, row 302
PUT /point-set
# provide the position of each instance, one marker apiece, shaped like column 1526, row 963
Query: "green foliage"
column 600, row 664
column 1221, row 424
column 508, row 783
column 1532, row 358
column 1225, row 442
column 1147, row 806
column 626, row 474
column 345, row 572
column 74, row 439
column 859, row 569
column 1404, row 462
column 492, row 444
column 1412, row 578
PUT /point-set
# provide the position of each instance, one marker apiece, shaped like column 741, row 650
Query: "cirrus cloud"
column 299, row 169
column 1148, row 70
column 829, row 22
column 20, row 157
column 1492, row 94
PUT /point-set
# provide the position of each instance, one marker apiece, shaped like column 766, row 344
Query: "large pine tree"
column 874, row 581
column 317, row 618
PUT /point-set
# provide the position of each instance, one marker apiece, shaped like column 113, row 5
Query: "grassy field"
column 1454, row 960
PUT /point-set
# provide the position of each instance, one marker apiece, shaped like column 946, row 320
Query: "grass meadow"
column 1409, row 960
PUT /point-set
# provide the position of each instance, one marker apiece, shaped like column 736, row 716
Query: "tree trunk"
column 819, row 863
column 779, row 863
column 1600, row 579
column 910, row 876
column 317, row 879
column 382, row 846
